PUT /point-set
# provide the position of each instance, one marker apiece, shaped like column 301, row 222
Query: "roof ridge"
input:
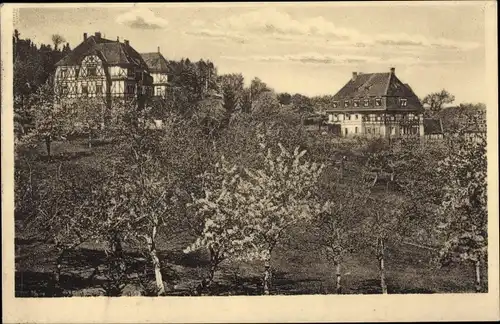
column 388, row 83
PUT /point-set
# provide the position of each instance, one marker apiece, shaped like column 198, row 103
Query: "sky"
column 309, row 48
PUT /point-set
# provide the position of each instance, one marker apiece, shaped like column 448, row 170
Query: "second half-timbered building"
column 108, row 71
column 376, row 104
column 159, row 69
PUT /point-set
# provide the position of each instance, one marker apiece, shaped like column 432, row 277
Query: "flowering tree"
column 61, row 209
column 89, row 114
column 383, row 223
column 338, row 224
column 222, row 233
column 51, row 120
column 147, row 191
column 464, row 210
column 273, row 197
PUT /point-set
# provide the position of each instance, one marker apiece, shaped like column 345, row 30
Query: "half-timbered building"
column 376, row 104
column 159, row 69
column 104, row 69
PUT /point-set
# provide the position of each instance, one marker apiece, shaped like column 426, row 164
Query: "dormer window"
column 356, row 103
column 335, row 104
column 404, row 102
column 366, row 102
column 346, row 103
column 378, row 101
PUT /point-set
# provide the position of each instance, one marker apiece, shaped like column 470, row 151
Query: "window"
column 131, row 89
column 366, row 102
column 356, row 117
column 85, row 89
column 368, row 130
column 356, row 103
column 345, row 131
column 63, row 73
column 378, row 101
column 348, row 117
column 91, row 71
column 355, row 130
column 98, row 89
column 346, row 103
column 131, row 72
column 404, row 102
column 64, row 89
column 335, row 104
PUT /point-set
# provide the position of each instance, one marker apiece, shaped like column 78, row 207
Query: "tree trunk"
column 48, row 143
column 214, row 262
column 478, row 275
column 57, row 274
column 383, row 284
column 338, row 287
column 158, row 277
column 267, row 278
column 90, row 139
column 156, row 263
column 116, row 267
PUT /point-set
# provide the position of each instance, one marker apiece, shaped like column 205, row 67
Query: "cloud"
column 344, row 59
column 270, row 23
column 405, row 40
column 218, row 34
column 141, row 18
column 307, row 58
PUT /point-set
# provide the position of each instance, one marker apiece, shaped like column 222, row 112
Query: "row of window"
column 131, row 89
column 366, row 102
column 92, row 71
column 374, row 117
column 390, row 130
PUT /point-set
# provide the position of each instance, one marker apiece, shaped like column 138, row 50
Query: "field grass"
column 298, row 266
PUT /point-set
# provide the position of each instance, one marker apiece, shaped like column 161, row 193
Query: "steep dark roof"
column 370, row 84
column 113, row 52
column 156, row 62
column 433, row 126
column 374, row 85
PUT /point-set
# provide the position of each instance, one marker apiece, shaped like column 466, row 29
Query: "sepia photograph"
column 299, row 149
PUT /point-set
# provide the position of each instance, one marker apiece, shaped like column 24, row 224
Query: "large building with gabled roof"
column 376, row 104
column 107, row 70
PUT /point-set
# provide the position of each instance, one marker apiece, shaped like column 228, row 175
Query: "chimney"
column 98, row 35
column 84, row 36
column 393, row 70
column 158, row 49
column 126, row 42
column 354, row 75
column 118, row 39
